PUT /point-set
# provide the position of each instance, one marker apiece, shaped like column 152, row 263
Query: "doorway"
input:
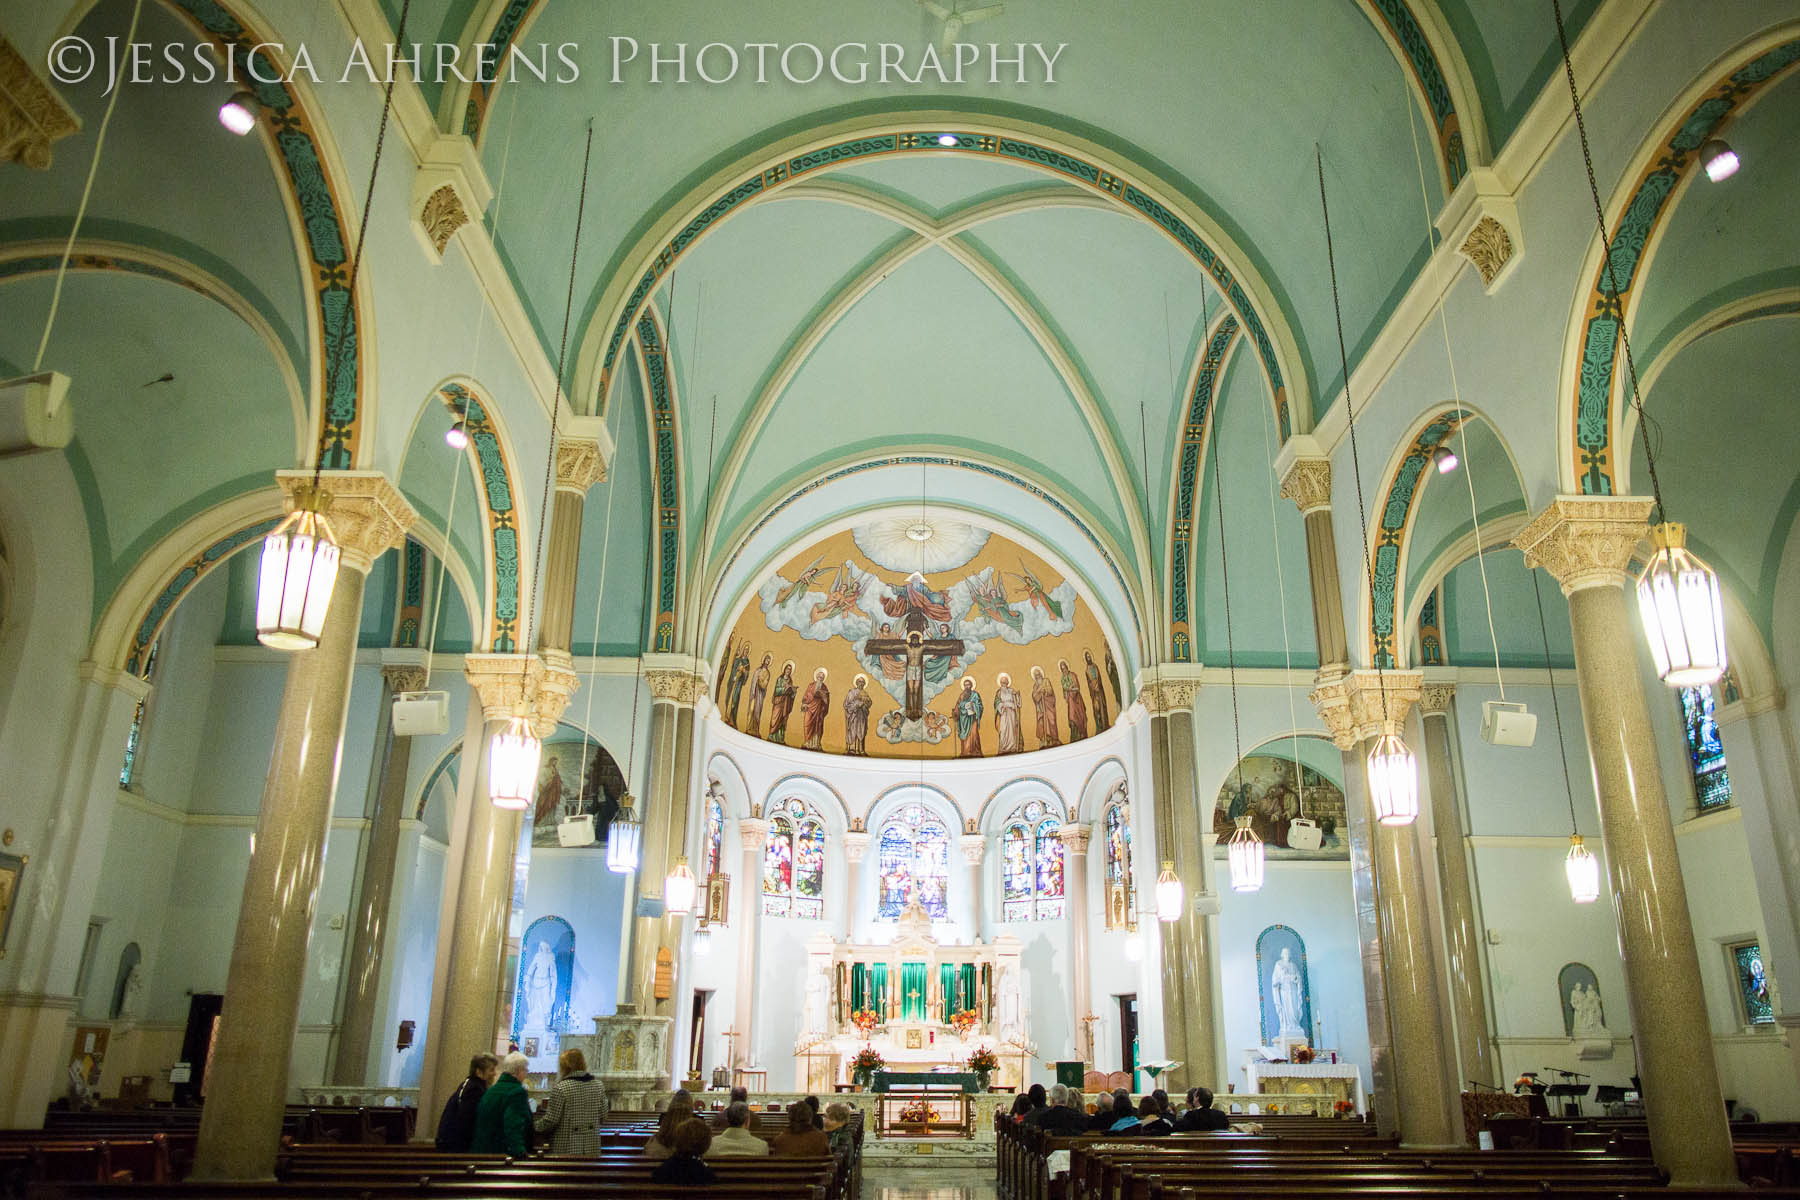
column 1128, row 1036
column 697, row 1036
column 197, row 1044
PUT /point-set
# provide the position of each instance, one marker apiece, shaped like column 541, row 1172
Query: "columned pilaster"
column 974, row 848
column 1075, row 837
column 247, row 1075
column 404, row 671
column 753, row 834
column 1306, row 480
column 856, row 848
column 579, row 466
column 1586, row 543
column 1462, row 932
column 1357, row 707
column 32, row 115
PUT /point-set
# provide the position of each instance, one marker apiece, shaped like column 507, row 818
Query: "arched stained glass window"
column 914, row 857
column 1706, row 752
column 714, row 848
column 134, row 739
column 793, row 882
column 1031, row 865
column 1119, row 898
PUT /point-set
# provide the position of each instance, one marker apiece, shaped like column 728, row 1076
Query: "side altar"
column 922, row 1004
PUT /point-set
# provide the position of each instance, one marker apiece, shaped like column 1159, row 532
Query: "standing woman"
column 456, row 1127
column 577, row 1103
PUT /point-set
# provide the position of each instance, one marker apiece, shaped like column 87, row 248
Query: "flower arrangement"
column 1343, row 1108
column 984, row 1061
column 865, row 1020
column 964, row 1021
column 918, row 1112
column 1301, row 1054
column 867, row 1061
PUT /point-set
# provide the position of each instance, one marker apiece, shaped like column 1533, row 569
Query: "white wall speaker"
column 417, row 713
column 1504, row 723
column 576, row 831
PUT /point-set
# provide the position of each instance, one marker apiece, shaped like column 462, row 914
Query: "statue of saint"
column 540, row 988
column 1585, row 1003
column 1284, row 989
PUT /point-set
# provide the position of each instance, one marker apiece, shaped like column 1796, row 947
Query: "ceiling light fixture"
column 457, row 436
column 1446, row 460
column 919, row 531
column 513, row 763
column 1247, row 853
column 1168, row 893
column 624, row 835
column 1719, row 159
column 1581, row 867
column 679, row 889
column 239, row 113
column 950, row 139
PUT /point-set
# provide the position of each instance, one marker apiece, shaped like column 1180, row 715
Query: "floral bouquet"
column 918, row 1112
column 964, row 1022
column 865, row 1020
column 1343, row 1108
column 1301, row 1054
column 984, row 1061
column 867, row 1061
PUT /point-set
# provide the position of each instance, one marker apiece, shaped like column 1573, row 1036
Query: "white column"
column 753, row 832
column 1075, row 890
column 856, row 848
column 974, row 845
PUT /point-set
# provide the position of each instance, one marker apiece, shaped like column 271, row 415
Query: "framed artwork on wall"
column 12, row 868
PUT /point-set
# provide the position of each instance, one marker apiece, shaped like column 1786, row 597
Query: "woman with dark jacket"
column 800, row 1140
column 456, row 1127
column 503, row 1118
column 1104, row 1110
column 684, row 1168
column 1124, row 1117
column 1151, row 1122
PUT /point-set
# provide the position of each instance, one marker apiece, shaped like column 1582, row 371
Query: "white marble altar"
column 1293, row 1077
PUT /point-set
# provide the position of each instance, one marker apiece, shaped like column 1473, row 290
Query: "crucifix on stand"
column 1087, row 1031
column 731, row 1036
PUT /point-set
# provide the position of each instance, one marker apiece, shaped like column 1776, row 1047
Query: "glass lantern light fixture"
column 1583, row 870
column 679, row 889
column 1246, row 853
column 624, row 835
column 299, row 571
column 513, row 764
column 1683, row 614
column 1393, row 781
column 1168, row 893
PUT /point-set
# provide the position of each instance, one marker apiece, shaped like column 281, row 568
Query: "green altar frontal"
column 887, row 1081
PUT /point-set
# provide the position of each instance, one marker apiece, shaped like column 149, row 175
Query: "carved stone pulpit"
column 629, row 1053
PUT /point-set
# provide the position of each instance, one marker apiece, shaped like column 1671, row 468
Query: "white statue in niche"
column 1008, row 1006
column 1284, row 988
column 540, row 988
column 131, row 996
column 818, row 1000
column 1584, row 1002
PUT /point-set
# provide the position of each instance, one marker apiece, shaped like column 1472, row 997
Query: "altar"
column 919, row 1003
column 1340, row 1081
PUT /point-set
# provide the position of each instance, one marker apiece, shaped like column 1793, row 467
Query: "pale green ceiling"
column 939, row 185
column 1463, row 617
column 614, row 530
column 429, row 22
column 1512, row 53
column 426, row 481
column 1444, row 512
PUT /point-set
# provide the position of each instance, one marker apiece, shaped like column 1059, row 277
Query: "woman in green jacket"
column 503, row 1121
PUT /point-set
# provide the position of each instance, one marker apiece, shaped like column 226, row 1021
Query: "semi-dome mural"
column 901, row 638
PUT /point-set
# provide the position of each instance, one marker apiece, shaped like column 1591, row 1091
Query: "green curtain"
column 915, row 985
column 947, row 989
column 878, row 981
column 859, row 987
column 966, row 981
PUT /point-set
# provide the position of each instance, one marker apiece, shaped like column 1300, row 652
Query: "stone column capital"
column 1305, row 473
column 856, row 846
column 404, row 677
column 753, row 833
column 1434, row 699
column 1075, row 838
column 1586, row 541
column 368, row 515
column 1358, row 705
column 580, row 464
column 1161, row 694
column 32, row 115
column 502, row 682
column 678, row 679
column 449, row 191
column 974, row 846
column 557, row 687
column 135, row 687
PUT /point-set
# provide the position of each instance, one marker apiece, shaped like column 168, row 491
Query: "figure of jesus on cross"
column 918, row 606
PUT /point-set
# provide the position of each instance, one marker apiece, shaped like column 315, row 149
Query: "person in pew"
column 1103, row 1117
column 812, row 1102
column 1162, row 1101
column 576, row 1106
column 1151, row 1122
column 741, row 1095
column 838, row 1130
column 456, row 1127
column 1201, row 1116
column 801, row 1139
column 1021, row 1108
column 737, row 1140
column 684, row 1168
column 662, row 1143
column 503, row 1118
column 1124, row 1117
column 1063, row 1116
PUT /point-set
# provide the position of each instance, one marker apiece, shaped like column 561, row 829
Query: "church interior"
column 841, row 549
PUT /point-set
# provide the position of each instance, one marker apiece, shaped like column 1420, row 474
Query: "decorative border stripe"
column 1431, row 637
column 1058, row 162
column 1390, row 531
column 412, row 596
column 137, row 657
column 1452, row 155
column 1636, row 228
column 1187, row 487
column 320, row 219
column 668, row 502
column 499, row 40
column 502, row 519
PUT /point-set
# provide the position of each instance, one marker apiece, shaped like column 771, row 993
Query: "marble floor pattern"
column 928, row 1183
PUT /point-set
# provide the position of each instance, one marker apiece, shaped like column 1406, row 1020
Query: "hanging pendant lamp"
column 624, row 835
column 513, row 764
column 1683, row 614
column 1168, row 893
column 1393, row 781
column 1583, row 870
column 1246, row 855
column 299, row 572
column 679, row 889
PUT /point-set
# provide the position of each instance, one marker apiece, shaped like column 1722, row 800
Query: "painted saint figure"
column 759, row 691
column 734, row 691
column 1112, row 673
column 968, row 720
column 550, row 793
column 1071, row 688
column 856, row 716
column 1043, row 698
column 814, row 704
column 1009, row 730
column 1097, row 693
column 782, row 706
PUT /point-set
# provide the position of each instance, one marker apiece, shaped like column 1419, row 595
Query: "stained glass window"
column 1712, row 786
column 1031, row 865
column 1753, row 983
column 1119, row 898
column 135, row 738
column 914, row 857
column 793, row 883
column 715, row 837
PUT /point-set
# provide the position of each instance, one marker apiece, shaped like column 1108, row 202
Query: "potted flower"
column 1343, row 1108
column 863, row 1066
column 1301, row 1053
column 865, row 1020
column 964, row 1022
column 983, row 1063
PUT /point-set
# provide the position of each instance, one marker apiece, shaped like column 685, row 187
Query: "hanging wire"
column 1606, row 259
column 1362, row 514
column 1468, row 466
column 87, row 190
column 587, row 720
column 1555, row 705
column 437, row 595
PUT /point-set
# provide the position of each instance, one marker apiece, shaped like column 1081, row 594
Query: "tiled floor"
column 927, row 1183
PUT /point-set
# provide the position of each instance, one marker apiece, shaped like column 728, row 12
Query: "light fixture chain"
column 1555, row 705
column 1637, row 401
column 1362, row 514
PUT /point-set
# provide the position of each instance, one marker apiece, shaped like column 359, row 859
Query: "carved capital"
column 856, row 846
column 753, row 834
column 1489, row 247
column 1481, row 219
column 1434, row 699
column 502, row 682
column 404, row 677
column 1358, row 705
column 679, row 686
column 579, row 465
column 368, row 514
column 1163, row 696
column 442, row 215
column 557, row 688
column 449, row 192
column 32, row 115
column 1075, row 837
column 974, row 846
column 1586, row 541
column 1308, row 484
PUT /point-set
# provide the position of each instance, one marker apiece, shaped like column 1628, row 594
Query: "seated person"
column 1021, row 1108
column 838, row 1130
column 812, row 1102
column 737, row 1140
column 662, row 1143
column 1151, row 1122
column 1124, row 1117
column 800, row 1139
column 1201, row 1116
column 683, row 1168
column 1063, row 1116
column 1104, row 1116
